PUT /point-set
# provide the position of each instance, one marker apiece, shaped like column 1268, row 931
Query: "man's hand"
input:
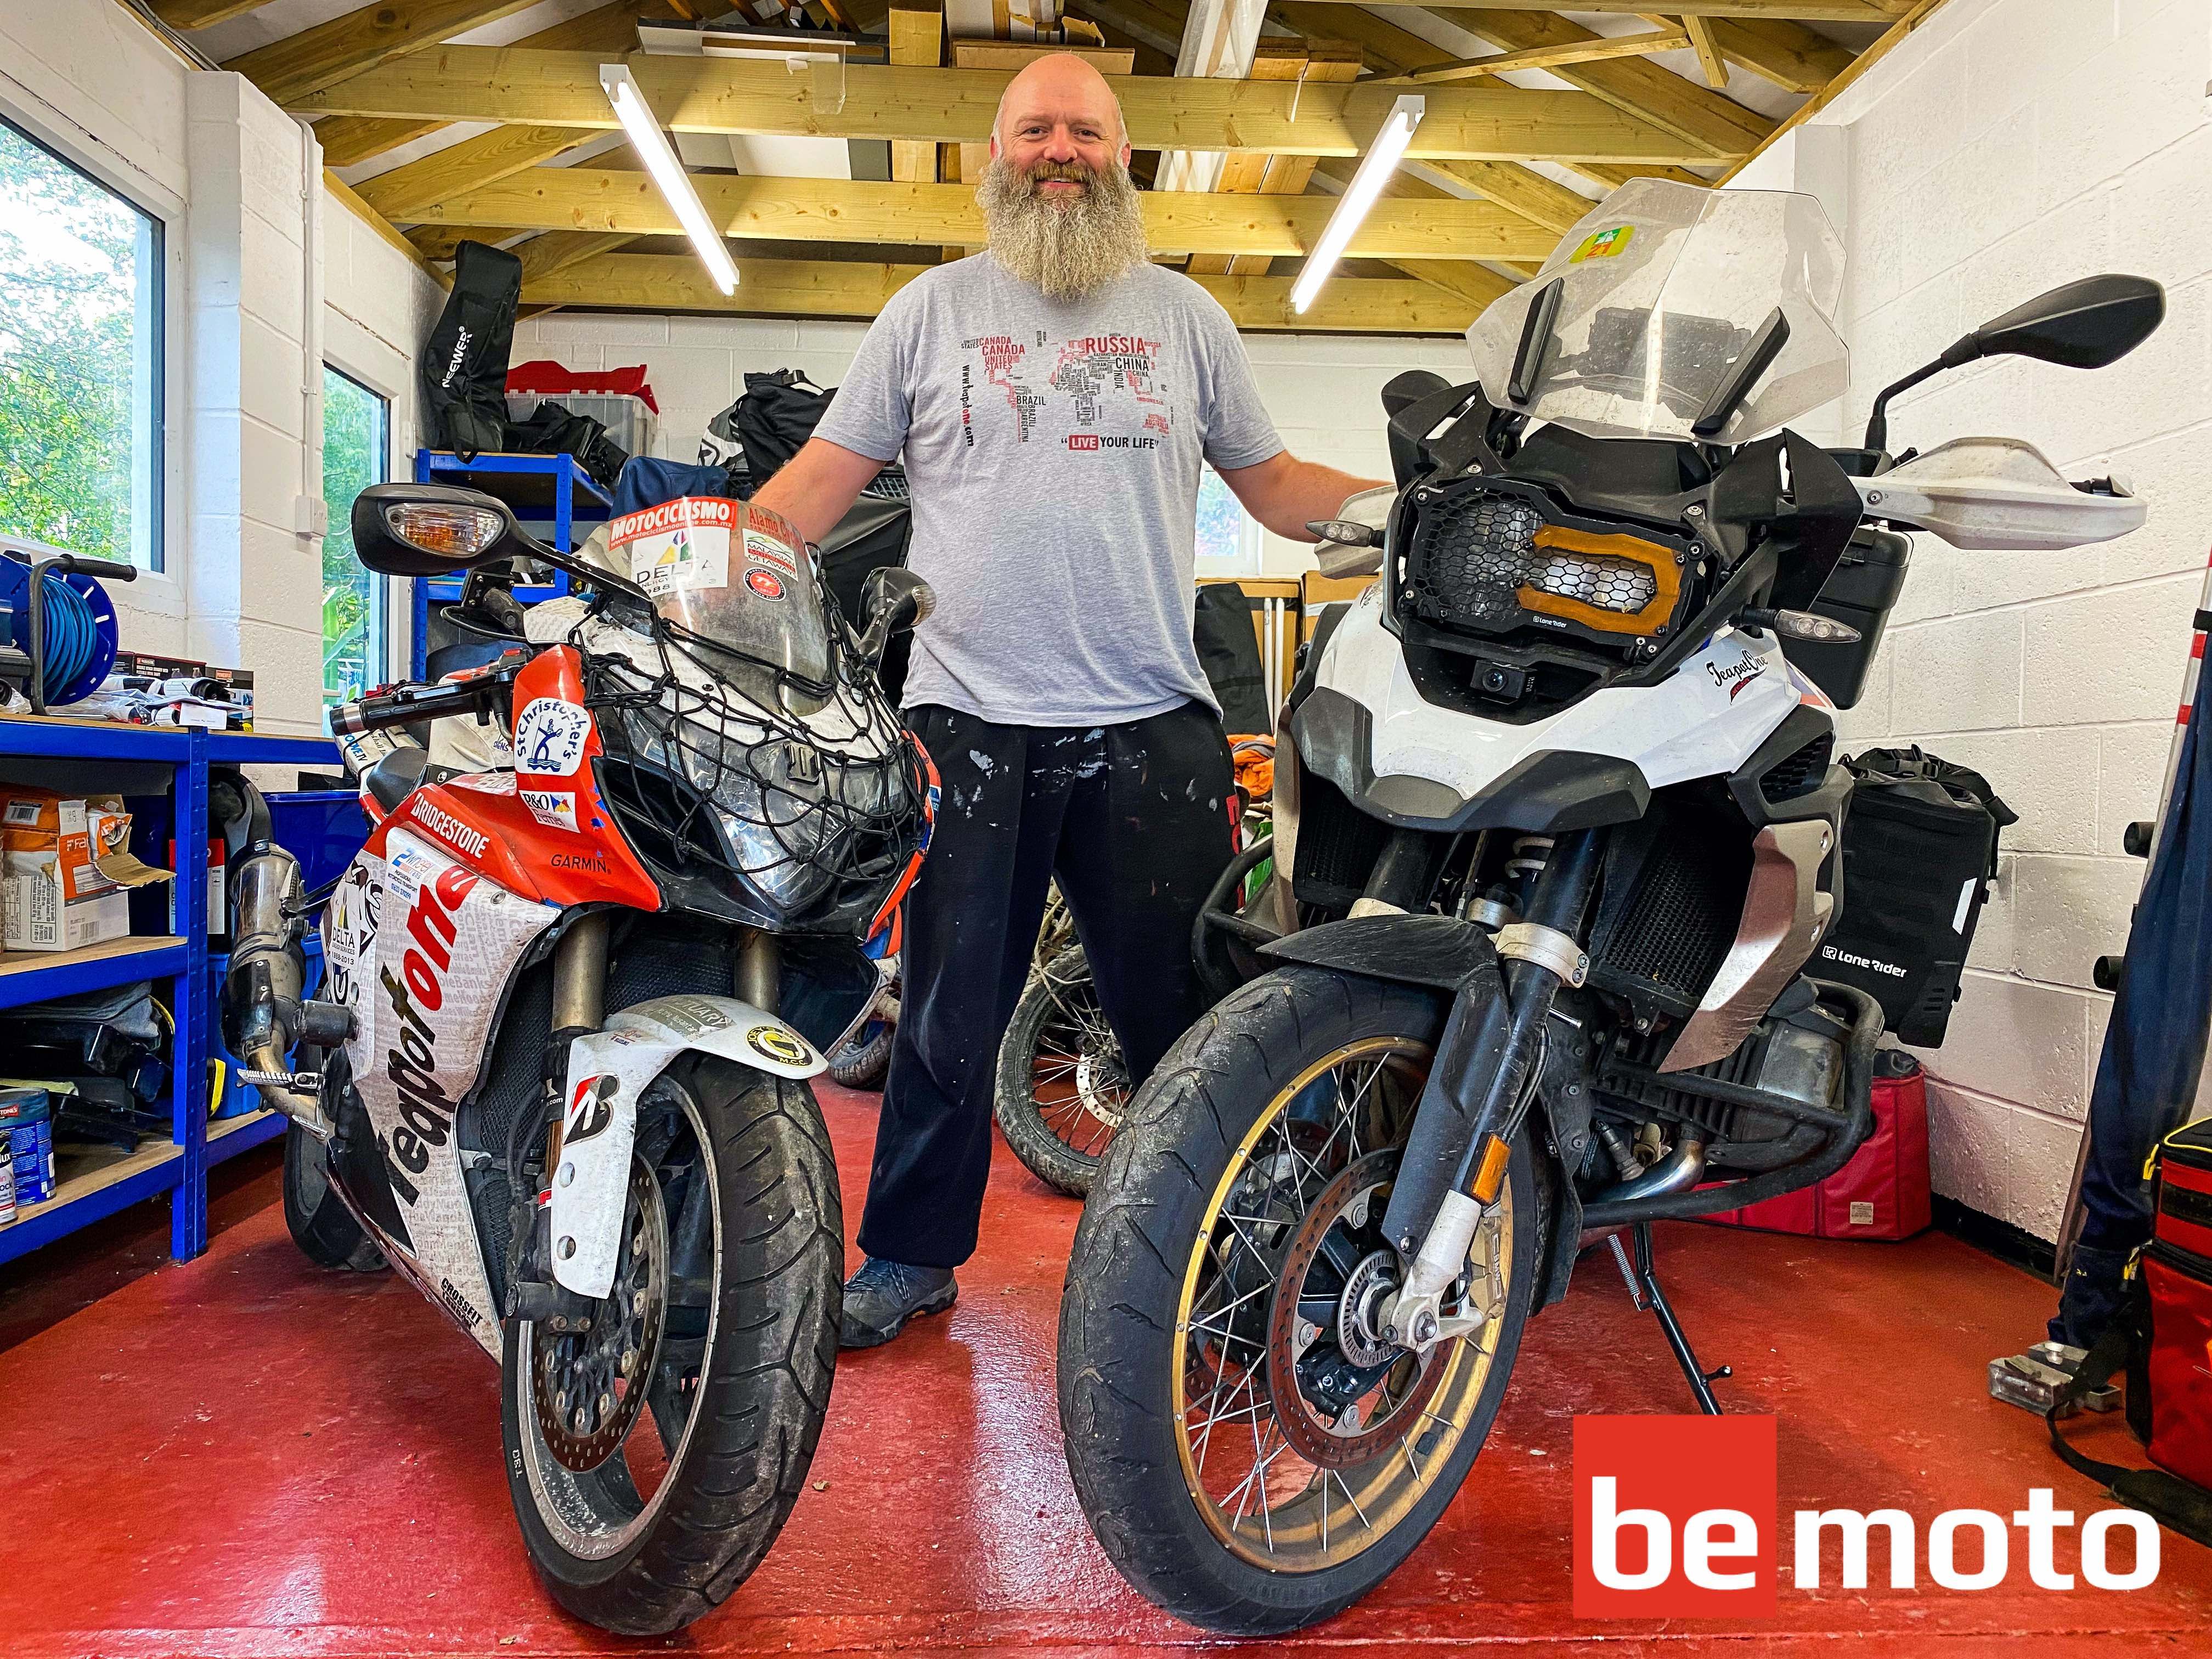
column 1285, row 494
column 815, row 488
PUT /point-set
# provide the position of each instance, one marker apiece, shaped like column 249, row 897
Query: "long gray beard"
column 1068, row 250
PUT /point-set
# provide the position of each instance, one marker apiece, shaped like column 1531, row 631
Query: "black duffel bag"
column 1920, row 848
column 556, row 429
column 464, row 364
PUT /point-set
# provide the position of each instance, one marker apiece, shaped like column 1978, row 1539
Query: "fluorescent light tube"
column 653, row 148
column 1360, row 195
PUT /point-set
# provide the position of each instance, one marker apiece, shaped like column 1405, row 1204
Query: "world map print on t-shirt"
column 1089, row 387
column 1053, row 451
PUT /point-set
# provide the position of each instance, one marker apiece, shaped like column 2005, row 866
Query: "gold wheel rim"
column 1286, row 1514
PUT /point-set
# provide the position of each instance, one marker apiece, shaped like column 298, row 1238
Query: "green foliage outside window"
column 356, row 437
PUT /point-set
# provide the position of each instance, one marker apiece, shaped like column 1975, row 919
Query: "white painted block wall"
column 1324, row 390
column 224, row 167
column 2009, row 146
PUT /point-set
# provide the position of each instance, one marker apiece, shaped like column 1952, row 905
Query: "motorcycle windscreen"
column 732, row 575
column 1664, row 289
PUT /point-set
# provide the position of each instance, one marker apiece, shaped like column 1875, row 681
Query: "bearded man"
column 1054, row 398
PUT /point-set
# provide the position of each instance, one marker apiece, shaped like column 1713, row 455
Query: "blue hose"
column 71, row 634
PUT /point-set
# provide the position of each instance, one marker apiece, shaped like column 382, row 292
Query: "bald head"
column 1060, row 108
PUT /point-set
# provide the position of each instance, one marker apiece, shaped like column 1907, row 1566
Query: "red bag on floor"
column 1884, row 1191
column 2163, row 1339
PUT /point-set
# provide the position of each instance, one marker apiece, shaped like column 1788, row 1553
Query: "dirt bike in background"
column 1567, row 775
column 559, row 1081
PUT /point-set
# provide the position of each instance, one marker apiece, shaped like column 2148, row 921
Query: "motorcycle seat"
column 397, row 776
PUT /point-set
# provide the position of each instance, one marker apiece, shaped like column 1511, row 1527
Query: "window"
column 356, row 438
column 80, row 360
column 1228, row 537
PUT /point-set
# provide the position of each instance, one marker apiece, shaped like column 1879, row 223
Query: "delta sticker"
column 1602, row 246
column 777, row 1044
column 556, row 809
column 764, row 583
column 677, row 546
column 549, row 738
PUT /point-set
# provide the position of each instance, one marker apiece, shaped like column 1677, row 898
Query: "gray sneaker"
column 883, row 1295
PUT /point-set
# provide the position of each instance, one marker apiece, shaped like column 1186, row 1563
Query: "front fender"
column 1439, row 950
column 608, row 1072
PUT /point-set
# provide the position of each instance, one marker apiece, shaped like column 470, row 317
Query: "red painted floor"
column 244, row 1458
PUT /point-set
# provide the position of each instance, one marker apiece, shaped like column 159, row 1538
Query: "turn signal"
column 1805, row 625
column 446, row 531
column 1490, row 1175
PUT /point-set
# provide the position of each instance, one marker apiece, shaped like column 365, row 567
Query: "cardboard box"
column 65, row 869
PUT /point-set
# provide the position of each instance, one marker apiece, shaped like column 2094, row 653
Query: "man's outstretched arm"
column 1287, row 494
column 815, row 487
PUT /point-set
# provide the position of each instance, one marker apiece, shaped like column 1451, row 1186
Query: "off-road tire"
column 320, row 1225
column 1119, row 1304
column 770, row 1359
column 1042, row 1153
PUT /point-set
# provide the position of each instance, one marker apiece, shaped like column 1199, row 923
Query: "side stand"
column 1644, row 1290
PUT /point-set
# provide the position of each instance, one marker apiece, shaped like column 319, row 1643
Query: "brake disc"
column 588, row 1387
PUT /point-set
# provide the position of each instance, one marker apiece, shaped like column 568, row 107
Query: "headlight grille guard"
column 1497, row 558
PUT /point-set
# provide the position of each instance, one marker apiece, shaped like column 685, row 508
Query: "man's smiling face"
column 1059, row 128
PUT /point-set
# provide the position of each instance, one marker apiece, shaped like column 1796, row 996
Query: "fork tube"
column 760, row 966
column 580, row 975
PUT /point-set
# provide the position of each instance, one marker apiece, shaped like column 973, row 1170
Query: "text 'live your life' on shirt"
column 1053, row 452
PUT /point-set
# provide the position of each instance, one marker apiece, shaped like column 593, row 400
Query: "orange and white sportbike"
column 1557, row 826
column 559, row 1077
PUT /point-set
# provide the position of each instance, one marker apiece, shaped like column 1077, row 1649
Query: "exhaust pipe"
column 263, row 1011
column 1677, row 1172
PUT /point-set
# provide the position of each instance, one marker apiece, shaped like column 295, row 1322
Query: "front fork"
column 1478, row 1091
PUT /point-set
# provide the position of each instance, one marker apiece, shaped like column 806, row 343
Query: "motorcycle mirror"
column 892, row 599
column 2082, row 325
column 430, row 530
column 2087, row 323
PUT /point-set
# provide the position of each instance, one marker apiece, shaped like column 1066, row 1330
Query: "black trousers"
column 1136, row 821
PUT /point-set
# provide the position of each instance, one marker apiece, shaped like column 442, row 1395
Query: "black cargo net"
column 810, row 790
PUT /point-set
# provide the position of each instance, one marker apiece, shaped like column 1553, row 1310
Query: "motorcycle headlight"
column 1489, row 559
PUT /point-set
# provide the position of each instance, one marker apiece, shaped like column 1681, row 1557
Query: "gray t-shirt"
column 1053, row 451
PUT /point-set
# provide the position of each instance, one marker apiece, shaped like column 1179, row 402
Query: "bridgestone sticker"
column 556, row 809
column 549, row 738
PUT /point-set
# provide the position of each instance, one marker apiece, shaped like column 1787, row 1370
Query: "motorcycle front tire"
column 777, row 1295
column 317, row 1218
column 1120, row 1308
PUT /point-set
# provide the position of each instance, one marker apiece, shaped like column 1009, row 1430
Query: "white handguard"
column 1998, row 493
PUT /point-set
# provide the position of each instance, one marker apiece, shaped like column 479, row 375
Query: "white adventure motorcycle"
column 1557, row 823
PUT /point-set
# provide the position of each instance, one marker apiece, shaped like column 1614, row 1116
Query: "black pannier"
column 1920, row 847
column 464, row 365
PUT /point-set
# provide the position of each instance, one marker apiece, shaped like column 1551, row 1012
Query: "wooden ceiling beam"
column 557, row 250
column 1785, row 54
column 1820, row 11
column 202, row 13
column 823, row 287
column 1634, row 86
column 1595, row 50
column 403, row 194
column 349, row 139
column 738, row 95
column 1258, row 173
column 1708, row 48
column 360, row 40
column 858, row 210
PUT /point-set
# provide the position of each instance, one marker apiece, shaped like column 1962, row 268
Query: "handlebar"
column 404, row 705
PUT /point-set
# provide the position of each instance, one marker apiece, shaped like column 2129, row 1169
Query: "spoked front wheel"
column 1062, row 1086
column 653, row 1456
column 1252, row 1448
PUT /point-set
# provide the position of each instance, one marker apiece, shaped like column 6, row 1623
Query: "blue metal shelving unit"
column 545, row 489
column 180, row 1167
